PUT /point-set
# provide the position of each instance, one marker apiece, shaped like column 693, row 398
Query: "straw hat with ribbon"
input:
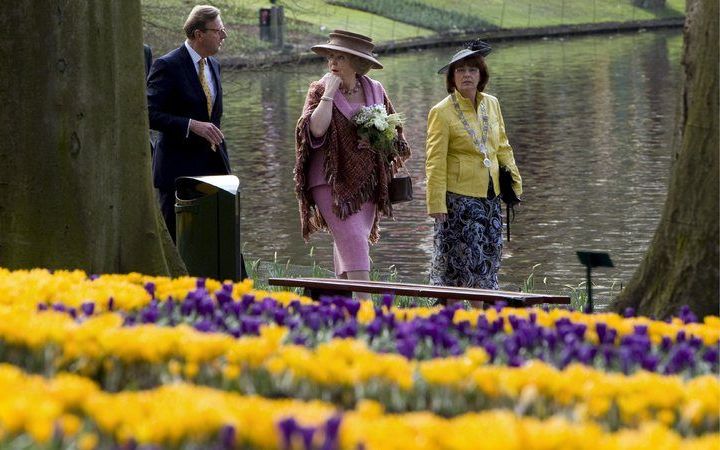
column 476, row 47
column 352, row 43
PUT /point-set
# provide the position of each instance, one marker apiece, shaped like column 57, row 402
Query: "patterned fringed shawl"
column 356, row 173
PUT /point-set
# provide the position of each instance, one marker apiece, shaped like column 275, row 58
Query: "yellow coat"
column 452, row 161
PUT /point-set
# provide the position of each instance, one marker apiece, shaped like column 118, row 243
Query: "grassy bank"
column 308, row 21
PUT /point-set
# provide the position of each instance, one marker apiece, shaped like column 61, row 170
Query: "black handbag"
column 400, row 188
column 508, row 196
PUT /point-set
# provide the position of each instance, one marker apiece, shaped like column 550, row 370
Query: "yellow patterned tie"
column 206, row 89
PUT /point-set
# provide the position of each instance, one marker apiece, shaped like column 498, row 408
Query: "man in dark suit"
column 185, row 106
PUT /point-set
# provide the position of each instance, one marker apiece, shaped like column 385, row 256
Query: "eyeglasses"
column 219, row 30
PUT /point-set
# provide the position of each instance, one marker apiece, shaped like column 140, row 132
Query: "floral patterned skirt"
column 468, row 245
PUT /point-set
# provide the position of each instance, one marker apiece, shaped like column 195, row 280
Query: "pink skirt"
column 351, row 248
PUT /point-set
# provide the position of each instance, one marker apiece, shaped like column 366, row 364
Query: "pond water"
column 591, row 121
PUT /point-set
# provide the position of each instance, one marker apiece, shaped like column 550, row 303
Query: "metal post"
column 588, row 277
column 592, row 259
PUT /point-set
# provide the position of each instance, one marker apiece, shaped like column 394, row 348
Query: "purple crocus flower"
column 347, row 330
column 111, row 304
column 491, row 350
column 586, row 353
column 150, row 288
column 374, row 328
column 695, row 342
column 59, row 307
column 516, row 361
column 498, row 325
column 205, row 326
column 307, row 434
column 332, row 426
column 168, row 306
column 352, row 306
column 387, row 300
column 710, row 356
column 235, row 331
column 650, row 362
column 406, row 347
column 682, row 356
column 227, row 437
column 287, row 429
column 279, row 316
column 250, row 325
column 247, row 300
column 550, row 337
column 313, row 321
column 625, row 359
column 299, row 340
column 188, row 306
column 482, row 323
column 629, row 312
column 680, row 337
column 200, row 283
column 601, row 330
column 72, row 312
column 42, row 307
column 224, row 294
column 205, row 305
column 268, row 304
column 687, row 316
column 88, row 308
column 149, row 315
column 665, row 343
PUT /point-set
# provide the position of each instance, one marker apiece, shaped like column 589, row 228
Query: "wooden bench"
column 316, row 287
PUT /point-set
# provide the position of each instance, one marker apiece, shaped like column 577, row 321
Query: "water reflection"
column 591, row 120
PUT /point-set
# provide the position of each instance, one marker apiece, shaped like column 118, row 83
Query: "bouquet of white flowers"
column 379, row 128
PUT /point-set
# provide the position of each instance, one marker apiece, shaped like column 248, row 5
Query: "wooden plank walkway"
column 316, row 287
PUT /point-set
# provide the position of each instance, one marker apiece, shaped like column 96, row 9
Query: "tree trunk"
column 681, row 265
column 75, row 185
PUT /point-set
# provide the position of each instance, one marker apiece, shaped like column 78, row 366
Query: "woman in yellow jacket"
column 466, row 146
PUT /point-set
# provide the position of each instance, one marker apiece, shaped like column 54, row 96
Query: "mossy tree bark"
column 75, row 186
column 681, row 265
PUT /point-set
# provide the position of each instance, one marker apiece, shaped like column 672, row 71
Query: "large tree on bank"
column 75, row 187
column 681, row 265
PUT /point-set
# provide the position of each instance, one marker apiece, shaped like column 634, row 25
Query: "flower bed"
column 200, row 341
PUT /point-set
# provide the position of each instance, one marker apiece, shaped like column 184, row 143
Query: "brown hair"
column 359, row 65
column 198, row 19
column 472, row 61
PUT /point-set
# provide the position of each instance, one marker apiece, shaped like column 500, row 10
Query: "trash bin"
column 207, row 211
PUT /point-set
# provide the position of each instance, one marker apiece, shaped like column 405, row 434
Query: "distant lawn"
column 308, row 21
column 511, row 13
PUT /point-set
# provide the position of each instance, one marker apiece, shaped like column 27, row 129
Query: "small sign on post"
column 264, row 17
column 592, row 259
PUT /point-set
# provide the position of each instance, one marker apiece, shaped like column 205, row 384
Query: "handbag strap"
column 401, row 168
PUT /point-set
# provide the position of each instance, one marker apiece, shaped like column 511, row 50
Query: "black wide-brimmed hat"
column 348, row 42
column 476, row 47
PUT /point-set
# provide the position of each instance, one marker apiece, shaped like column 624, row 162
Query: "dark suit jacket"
column 175, row 96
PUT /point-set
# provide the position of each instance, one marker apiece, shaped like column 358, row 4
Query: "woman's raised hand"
column 332, row 84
